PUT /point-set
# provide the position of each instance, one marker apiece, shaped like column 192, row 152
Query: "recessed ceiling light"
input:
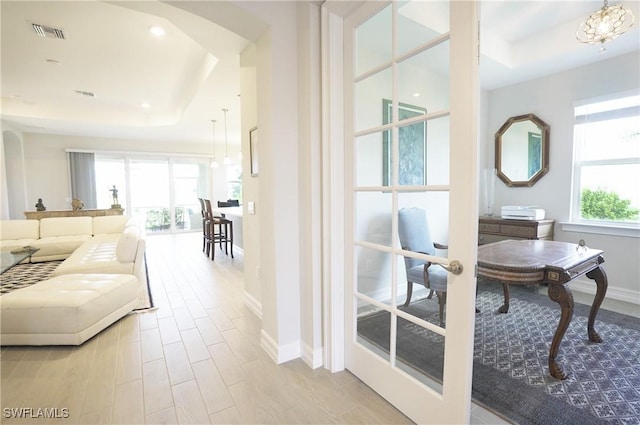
column 156, row 30
column 145, row 105
column 416, row 95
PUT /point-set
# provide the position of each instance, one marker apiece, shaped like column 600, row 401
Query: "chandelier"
column 605, row 24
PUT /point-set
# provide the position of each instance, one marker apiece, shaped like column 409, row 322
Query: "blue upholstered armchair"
column 413, row 230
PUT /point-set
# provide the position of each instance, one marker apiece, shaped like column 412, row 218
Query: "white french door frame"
column 333, row 195
column 421, row 404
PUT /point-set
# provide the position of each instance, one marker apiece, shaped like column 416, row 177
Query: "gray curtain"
column 83, row 178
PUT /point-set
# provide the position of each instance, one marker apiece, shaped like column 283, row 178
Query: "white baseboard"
column 313, row 358
column 279, row 354
column 253, row 304
column 588, row 286
column 269, row 346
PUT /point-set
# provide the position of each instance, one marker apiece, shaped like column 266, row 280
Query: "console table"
column 525, row 262
column 37, row 215
column 494, row 229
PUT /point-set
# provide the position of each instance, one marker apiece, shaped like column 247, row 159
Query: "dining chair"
column 414, row 234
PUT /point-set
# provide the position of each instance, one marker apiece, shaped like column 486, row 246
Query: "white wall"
column 310, row 188
column 279, row 208
column 551, row 99
column 45, row 162
column 14, row 201
column 250, row 187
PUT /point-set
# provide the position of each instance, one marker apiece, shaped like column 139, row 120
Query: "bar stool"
column 223, row 235
column 205, row 224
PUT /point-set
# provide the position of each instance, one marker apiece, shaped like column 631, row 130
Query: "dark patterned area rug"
column 511, row 374
column 23, row 275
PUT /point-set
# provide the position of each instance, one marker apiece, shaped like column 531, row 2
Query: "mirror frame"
column 544, row 130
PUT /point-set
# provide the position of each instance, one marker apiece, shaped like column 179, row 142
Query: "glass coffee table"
column 13, row 257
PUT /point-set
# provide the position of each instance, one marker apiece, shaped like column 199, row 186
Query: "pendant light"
column 226, row 160
column 214, row 163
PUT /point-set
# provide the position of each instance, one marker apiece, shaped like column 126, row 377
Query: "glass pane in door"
column 424, row 153
column 374, row 274
column 373, row 326
column 150, row 193
column 371, row 94
column 423, row 83
column 419, row 24
column 186, row 181
column 110, row 172
column 373, row 40
column 373, row 159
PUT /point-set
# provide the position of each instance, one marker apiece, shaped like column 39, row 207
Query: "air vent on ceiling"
column 49, row 32
column 85, row 93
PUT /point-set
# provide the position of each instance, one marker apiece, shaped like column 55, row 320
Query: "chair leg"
column 409, row 293
column 230, row 237
column 212, row 241
column 431, row 292
column 207, row 238
column 442, row 300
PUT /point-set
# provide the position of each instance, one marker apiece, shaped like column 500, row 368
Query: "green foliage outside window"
column 235, row 187
column 602, row 205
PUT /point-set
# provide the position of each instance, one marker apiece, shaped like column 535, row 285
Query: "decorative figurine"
column 40, row 206
column 114, row 195
column 77, row 204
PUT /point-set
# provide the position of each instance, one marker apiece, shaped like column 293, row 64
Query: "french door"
column 410, row 96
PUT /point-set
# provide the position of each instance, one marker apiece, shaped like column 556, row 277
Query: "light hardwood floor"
column 195, row 359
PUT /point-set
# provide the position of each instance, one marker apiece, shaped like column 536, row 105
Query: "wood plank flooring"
column 194, row 360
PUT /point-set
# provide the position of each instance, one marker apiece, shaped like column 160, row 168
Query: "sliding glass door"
column 149, row 185
column 163, row 192
column 190, row 182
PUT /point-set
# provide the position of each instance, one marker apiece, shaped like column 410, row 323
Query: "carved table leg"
column 505, row 307
column 600, row 277
column 563, row 296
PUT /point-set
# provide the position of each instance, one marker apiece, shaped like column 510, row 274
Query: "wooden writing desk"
column 525, row 262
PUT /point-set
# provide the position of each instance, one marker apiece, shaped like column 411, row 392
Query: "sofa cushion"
column 12, row 244
column 127, row 245
column 109, row 224
column 66, row 309
column 19, row 229
column 97, row 255
column 57, row 247
column 66, row 226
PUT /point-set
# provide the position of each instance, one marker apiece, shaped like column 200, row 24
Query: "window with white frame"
column 606, row 179
column 234, row 182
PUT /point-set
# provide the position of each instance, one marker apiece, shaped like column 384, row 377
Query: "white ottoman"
column 66, row 310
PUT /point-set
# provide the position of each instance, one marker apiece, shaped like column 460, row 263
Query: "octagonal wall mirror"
column 522, row 150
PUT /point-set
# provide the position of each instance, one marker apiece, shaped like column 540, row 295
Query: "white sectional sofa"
column 104, row 266
column 57, row 237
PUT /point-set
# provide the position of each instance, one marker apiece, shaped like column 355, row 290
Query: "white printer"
column 516, row 212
